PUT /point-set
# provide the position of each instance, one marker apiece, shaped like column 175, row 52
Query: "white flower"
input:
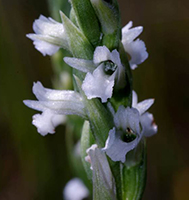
column 131, row 123
column 75, row 190
column 103, row 180
column 135, row 48
column 49, row 35
column 53, row 104
column 47, row 121
column 146, row 119
column 103, row 73
column 126, row 122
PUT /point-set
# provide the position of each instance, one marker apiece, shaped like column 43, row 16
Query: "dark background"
column 36, row 167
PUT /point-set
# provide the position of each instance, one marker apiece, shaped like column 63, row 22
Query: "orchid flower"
column 53, row 104
column 146, row 118
column 131, row 124
column 103, row 73
column 135, row 48
column 49, row 35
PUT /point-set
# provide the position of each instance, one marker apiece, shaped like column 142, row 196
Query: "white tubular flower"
column 75, row 190
column 147, row 119
column 131, row 124
column 148, row 124
column 127, row 127
column 49, row 35
column 103, row 180
column 135, row 48
column 53, row 104
column 103, row 73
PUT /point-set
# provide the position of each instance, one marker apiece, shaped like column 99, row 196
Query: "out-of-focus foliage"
column 36, row 167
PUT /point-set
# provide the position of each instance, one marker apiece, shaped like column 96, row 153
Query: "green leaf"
column 87, row 20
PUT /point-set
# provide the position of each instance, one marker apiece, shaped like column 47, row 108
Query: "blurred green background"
column 36, row 167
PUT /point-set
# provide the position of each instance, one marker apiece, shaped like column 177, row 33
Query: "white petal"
column 137, row 51
column 48, row 26
column 143, row 106
column 36, row 105
column 75, row 190
column 115, row 57
column 134, row 99
column 43, row 93
column 127, row 27
column 101, row 53
column 58, row 107
column 127, row 118
column 135, row 48
column 148, row 125
column 63, row 102
column 98, row 84
column 80, row 64
column 128, row 35
column 44, row 47
column 46, row 122
column 49, row 35
column 116, row 149
column 120, row 71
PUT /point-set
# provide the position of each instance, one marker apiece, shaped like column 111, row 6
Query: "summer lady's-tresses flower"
column 135, row 48
column 49, row 35
column 53, row 104
column 103, row 73
column 131, row 124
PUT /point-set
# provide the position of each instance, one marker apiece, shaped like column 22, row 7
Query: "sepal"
column 109, row 18
column 103, row 180
column 78, row 43
column 86, row 141
column 134, row 177
column 87, row 20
